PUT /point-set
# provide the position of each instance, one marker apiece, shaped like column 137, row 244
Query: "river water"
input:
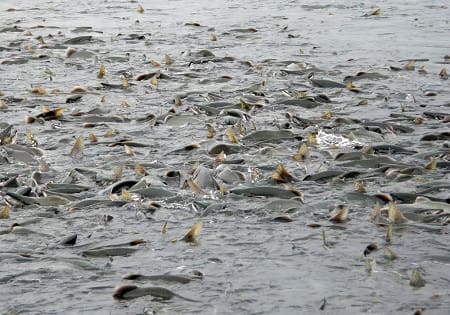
column 233, row 66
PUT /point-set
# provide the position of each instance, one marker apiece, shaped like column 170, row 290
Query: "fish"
column 24, row 156
column 270, row 136
column 281, row 175
column 69, row 240
column 74, row 98
column 164, row 228
column 153, row 192
column 416, row 280
column 6, row 134
column 42, row 201
column 85, row 203
column 364, row 75
column 231, row 136
column 164, row 277
column 109, row 252
column 226, row 148
column 268, row 191
column 323, row 304
column 324, row 83
column 358, row 186
column 69, row 52
column 50, row 114
column 140, row 170
column 282, row 218
column 375, row 12
column 370, row 248
column 194, row 187
column 190, row 236
column 78, row 89
column 302, row 153
column 128, row 150
column 39, row 90
column 410, row 65
column 79, row 40
column 323, row 176
column 305, row 102
column 388, row 237
column 93, row 138
column 126, row 196
column 128, row 292
column 425, row 202
column 168, row 60
column 5, row 212
column 340, row 214
column 77, row 150
column 394, row 214
column 101, row 72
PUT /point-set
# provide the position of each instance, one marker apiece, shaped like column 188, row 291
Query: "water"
column 251, row 264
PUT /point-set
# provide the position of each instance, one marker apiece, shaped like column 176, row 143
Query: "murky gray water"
column 394, row 122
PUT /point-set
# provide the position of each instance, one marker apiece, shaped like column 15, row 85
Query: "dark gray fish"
column 110, row 251
column 370, row 248
column 226, row 148
column 386, row 126
column 244, row 30
column 148, row 76
column 128, row 292
column 301, row 102
column 391, row 149
column 163, row 277
column 372, row 163
column 323, row 304
column 5, row 48
column 326, row 83
column 93, row 202
column 436, row 136
column 284, row 218
column 79, row 40
column 230, row 176
column 351, row 156
column 68, row 196
column 74, row 98
column 69, row 240
column 15, row 61
column 204, row 178
column 283, row 205
column 436, row 115
column 303, row 122
column 104, row 119
column 323, row 176
column 181, row 120
column 266, row 191
column 364, row 75
column 269, row 135
column 15, row 29
column 42, row 201
column 125, row 142
column 125, row 184
column 153, row 192
column 67, row 188
column 112, row 86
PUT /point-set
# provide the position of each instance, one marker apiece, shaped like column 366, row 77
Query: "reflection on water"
column 232, row 70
